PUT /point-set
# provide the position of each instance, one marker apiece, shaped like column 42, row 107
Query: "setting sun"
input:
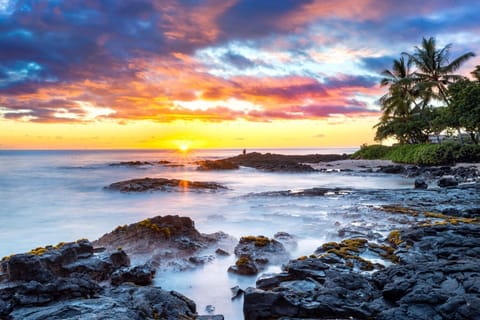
column 183, row 147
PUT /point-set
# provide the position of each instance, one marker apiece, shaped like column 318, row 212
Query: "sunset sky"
column 80, row 74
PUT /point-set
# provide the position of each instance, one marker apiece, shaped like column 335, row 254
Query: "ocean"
column 51, row 196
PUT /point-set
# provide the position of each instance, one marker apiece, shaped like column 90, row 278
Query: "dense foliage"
column 422, row 154
column 465, row 107
column 426, row 98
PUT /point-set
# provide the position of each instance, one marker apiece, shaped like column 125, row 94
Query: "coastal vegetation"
column 422, row 154
column 430, row 110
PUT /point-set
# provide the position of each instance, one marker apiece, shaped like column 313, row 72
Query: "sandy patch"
column 356, row 165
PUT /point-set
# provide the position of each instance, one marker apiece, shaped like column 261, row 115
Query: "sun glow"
column 183, row 147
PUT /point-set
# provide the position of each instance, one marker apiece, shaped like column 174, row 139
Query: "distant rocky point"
column 282, row 163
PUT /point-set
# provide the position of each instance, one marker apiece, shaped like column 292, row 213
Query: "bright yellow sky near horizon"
column 195, row 134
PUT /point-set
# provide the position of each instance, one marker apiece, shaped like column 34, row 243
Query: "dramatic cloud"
column 212, row 60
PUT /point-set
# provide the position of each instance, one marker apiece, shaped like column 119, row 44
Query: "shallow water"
column 52, row 196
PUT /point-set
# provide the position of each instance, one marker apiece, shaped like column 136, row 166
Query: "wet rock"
column 347, row 254
column 27, row 267
column 63, row 282
column 124, row 302
column 76, row 281
column 447, row 181
column 141, row 275
column 210, row 317
column 200, row 260
column 45, row 264
column 119, row 259
column 254, row 253
column 338, row 295
column 312, row 192
column 393, row 169
column 222, row 252
column 169, row 242
column 236, row 292
column 289, row 241
column 461, row 174
column 207, row 165
column 420, row 184
column 162, row 184
column 131, row 164
column 272, row 280
column 437, row 277
column 209, row 308
column 244, row 266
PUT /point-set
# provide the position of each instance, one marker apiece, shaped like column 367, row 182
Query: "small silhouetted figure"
column 244, row 151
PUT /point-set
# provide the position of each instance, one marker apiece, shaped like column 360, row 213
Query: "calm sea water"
column 52, row 196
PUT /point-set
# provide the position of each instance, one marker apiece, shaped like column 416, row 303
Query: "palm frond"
column 457, row 63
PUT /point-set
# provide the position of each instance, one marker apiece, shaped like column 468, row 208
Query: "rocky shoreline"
column 433, row 273
column 423, row 264
column 436, row 276
column 83, row 280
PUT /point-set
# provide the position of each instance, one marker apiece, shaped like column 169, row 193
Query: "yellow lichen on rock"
column 59, row 245
column 38, row 251
column 398, row 209
column 394, row 237
column 259, row 241
column 242, row 261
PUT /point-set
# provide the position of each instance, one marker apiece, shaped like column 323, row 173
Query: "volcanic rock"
column 162, row 184
column 420, row 184
column 168, row 242
column 254, row 253
column 437, row 276
column 447, row 181
column 207, row 165
column 394, row 169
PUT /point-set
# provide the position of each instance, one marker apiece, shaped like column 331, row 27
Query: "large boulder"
column 141, row 275
column 162, row 184
column 419, row 183
column 124, row 302
column 255, row 253
column 167, row 242
column 27, row 267
column 447, row 181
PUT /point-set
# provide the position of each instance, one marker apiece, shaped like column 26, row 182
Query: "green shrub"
column 372, row 152
column 422, row 154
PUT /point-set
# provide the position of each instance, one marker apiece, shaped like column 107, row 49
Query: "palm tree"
column 435, row 70
column 476, row 73
column 399, row 104
column 400, row 96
